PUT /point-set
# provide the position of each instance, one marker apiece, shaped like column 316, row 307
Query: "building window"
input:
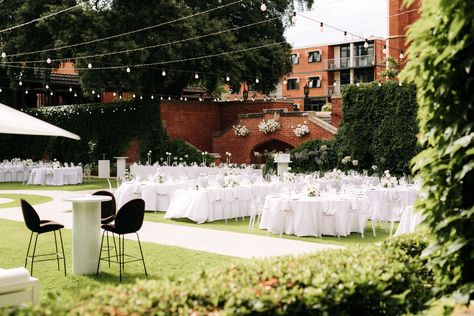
column 292, row 84
column 345, row 77
column 345, row 56
column 364, row 75
column 295, row 59
column 360, row 50
column 314, row 82
column 314, row 57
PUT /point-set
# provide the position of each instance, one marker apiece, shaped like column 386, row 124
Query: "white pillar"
column 121, row 166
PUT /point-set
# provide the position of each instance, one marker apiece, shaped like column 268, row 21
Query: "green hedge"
column 314, row 155
column 109, row 126
column 390, row 279
column 379, row 126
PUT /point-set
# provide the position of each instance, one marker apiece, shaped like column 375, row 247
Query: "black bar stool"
column 38, row 226
column 128, row 220
column 108, row 209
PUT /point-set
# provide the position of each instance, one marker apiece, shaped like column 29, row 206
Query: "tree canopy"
column 223, row 38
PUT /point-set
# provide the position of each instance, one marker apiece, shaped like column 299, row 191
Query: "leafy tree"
column 392, row 68
column 98, row 19
column 441, row 62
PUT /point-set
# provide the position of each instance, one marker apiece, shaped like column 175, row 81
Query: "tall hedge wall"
column 379, row 126
column 109, row 126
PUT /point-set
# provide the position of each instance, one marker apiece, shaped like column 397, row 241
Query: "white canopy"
column 16, row 122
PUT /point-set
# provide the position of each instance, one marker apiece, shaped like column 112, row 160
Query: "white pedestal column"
column 121, row 166
column 86, row 233
column 104, row 169
column 282, row 161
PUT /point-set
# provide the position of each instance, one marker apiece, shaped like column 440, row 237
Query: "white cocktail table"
column 86, row 232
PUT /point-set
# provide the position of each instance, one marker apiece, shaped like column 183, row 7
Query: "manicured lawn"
column 33, row 199
column 92, row 184
column 241, row 226
column 161, row 262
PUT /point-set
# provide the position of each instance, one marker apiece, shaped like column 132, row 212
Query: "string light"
column 358, row 84
column 285, row 81
column 134, row 96
column 366, row 44
column 163, row 73
column 152, row 97
column 161, row 98
column 114, row 94
column 169, row 98
column 75, row 95
column 20, row 83
column 51, row 93
column 401, row 54
column 48, row 61
column 294, row 18
column 321, row 28
column 335, row 83
column 141, row 97
column 98, row 96
column 89, row 65
column 1, row 90
column 93, row 91
column 227, row 78
column 257, row 80
column 345, row 34
column 384, row 49
column 196, row 76
column 380, row 84
column 4, row 55
column 47, row 86
column 128, row 69
column 263, row 7
column 26, row 91
column 70, row 89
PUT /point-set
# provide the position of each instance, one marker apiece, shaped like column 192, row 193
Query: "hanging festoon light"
column 89, row 65
column 128, row 69
column 334, row 83
column 200, row 99
column 285, row 81
column 185, row 99
column 345, row 35
column 321, row 27
column 169, row 98
column 47, row 86
column 1, row 90
column 196, row 76
column 163, row 73
column 227, row 78
column 380, row 84
column 98, row 96
column 384, row 49
column 257, row 80
column 20, row 83
column 401, row 54
column 134, row 95
column 51, row 93
column 152, row 97
column 161, row 98
column 75, row 95
column 114, row 94
column 48, row 60
column 93, row 91
column 263, row 7
column 366, row 44
column 4, row 55
column 26, row 91
column 141, row 97
column 70, row 89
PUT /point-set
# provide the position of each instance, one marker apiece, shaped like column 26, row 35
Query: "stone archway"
column 267, row 147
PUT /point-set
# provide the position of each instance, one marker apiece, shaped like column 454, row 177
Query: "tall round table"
column 86, row 232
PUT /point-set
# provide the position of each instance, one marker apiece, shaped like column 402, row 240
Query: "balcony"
column 336, row 90
column 349, row 62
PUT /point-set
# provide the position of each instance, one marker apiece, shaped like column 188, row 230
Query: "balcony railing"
column 336, row 90
column 349, row 62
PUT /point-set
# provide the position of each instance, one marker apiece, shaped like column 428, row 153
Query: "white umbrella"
column 16, row 122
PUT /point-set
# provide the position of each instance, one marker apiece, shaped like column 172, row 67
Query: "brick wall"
column 242, row 148
column 336, row 113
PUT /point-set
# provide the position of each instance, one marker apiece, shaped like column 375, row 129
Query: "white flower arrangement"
column 241, row 130
column 127, row 176
column 56, row 164
column 374, row 168
column 346, row 160
column 355, row 162
column 269, row 126
column 387, row 180
column 159, row 177
column 301, row 130
column 289, row 177
column 311, row 190
column 230, row 182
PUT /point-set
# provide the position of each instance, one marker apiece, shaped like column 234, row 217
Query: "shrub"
column 390, row 279
column 379, row 126
column 314, row 155
column 442, row 42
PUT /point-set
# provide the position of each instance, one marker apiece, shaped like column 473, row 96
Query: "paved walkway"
column 196, row 238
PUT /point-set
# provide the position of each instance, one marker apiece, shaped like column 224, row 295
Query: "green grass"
column 32, row 199
column 241, row 226
column 161, row 262
column 92, row 184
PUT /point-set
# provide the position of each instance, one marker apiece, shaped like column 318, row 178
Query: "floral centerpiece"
column 56, row 164
column 159, row 177
column 241, row 130
column 127, row 176
column 311, row 190
column 230, row 182
column 387, row 180
column 269, row 126
column 301, row 130
column 289, row 177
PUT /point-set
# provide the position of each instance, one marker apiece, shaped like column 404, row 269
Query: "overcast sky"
column 361, row 17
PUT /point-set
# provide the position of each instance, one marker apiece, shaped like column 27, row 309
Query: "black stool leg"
column 108, row 247
column 120, row 258
column 56, row 245
column 115, row 248
column 28, row 251
column 100, row 252
column 62, row 247
column 141, row 252
column 33, row 257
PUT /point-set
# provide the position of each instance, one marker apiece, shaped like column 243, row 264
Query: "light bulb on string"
column 89, row 65
column 48, row 60
column 196, row 76
column 161, row 98
column 321, row 27
column 141, row 97
column 401, row 54
column 1, row 90
column 51, row 93
column 134, row 95
column 263, row 7
column 4, row 55
column 163, row 73
column 98, row 96
column 380, row 84
column 75, row 95
column 366, row 44
column 120, row 97
column 285, row 81
column 358, row 84
column 70, row 89
column 400, row 83
column 200, row 99
column 152, row 97
column 334, row 83
column 128, row 69
column 185, row 99
column 384, row 49
column 20, row 83
column 114, row 94
column 47, row 86
column 345, row 34
column 257, row 80
column 169, row 98
column 93, row 91
column 26, row 91
column 227, row 78
column 294, row 19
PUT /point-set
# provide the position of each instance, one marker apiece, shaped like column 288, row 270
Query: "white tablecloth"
column 390, row 202
column 409, row 221
column 314, row 216
column 55, row 176
column 12, row 172
column 189, row 172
